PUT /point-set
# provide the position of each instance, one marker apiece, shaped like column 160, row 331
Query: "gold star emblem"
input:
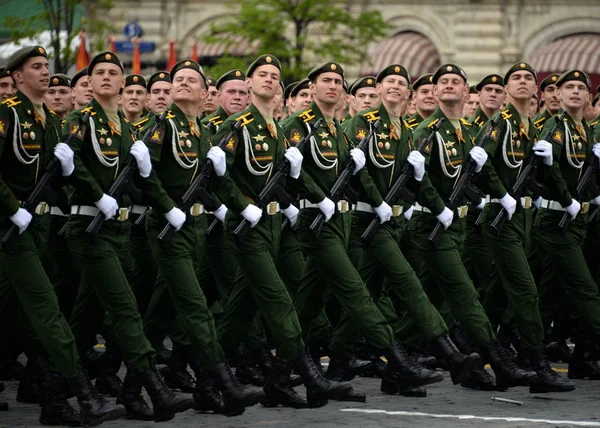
column 447, row 132
column 324, row 134
column 382, row 136
column 259, row 138
column 103, row 131
column 26, row 125
column 259, row 126
column 183, row 134
column 28, row 111
column 385, row 125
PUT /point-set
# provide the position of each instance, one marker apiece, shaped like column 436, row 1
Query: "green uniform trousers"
column 443, row 267
column 258, row 287
column 476, row 254
column 23, row 267
column 103, row 278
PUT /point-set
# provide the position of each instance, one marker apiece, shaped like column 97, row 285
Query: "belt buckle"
column 396, row 210
column 43, row 208
column 272, row 208
column 343, row 207
column 462, row 211
column 196, row 210
column 585, row 207
column 123, row 214
column 526, row 202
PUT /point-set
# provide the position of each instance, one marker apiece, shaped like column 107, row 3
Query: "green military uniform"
column 478, row 119
column 540, row 120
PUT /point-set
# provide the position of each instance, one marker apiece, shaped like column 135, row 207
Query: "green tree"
column 68, row 16
column 301, row 33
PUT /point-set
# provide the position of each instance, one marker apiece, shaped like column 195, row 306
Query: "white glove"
column 509, row 204
column 481, row 204
column 384, row 212
column 543, row 149
column 253, row 214
column 217, row 156
column 417, row 160
column 479, row 156
column 596, row 150
column 294, row 156
column 176, row 217
column 358, row 156
column 21, row 219
column 327, row 207
column 538, row 202
column 596, row 200
column 65, row 155
column 221, row 212
column 408, row 213
column 574, row 208
column 291, row 213
column 446, row 217
column 108, row 205
column 142, row 156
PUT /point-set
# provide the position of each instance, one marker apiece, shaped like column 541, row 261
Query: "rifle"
column 46, row 180
column 123, row 178
column 526, row 178
column 197, row 189
column 271, row 188
column 463, row 185
column 586, row 181
column 341, row 184
column 399, row 189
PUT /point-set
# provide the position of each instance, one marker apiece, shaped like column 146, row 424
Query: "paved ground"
column 446, row 406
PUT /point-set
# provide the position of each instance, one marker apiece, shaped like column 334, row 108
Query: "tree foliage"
column 301, row 33
column 60, row 16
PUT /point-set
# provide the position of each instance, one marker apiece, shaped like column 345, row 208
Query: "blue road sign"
column 132, row 29
column 126, row 46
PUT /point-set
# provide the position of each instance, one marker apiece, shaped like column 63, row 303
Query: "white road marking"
column 480, row 418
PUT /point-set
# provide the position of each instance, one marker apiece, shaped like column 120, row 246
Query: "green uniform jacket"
column 99, row 154
column 569, row 161
column 540, row 120
column 386, row 154
column 22, row 162
column 505, row 152
column 478, row 120
column 442, row 159
column 414, row 121
column 216, row 118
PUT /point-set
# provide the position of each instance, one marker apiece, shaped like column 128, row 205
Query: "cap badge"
column 108, row 56
column 268, row 59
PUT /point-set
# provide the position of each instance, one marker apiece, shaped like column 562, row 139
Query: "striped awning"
column 581, row 51
column 413, row 50
column 231, row 45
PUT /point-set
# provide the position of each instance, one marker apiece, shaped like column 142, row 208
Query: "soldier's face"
column 597, row 108
column 327, row 88
column 365, row 98
column 133, row 99
column 451, row 88
column 425, row 100
column 394, row 89
column 159, row 97
column 471, row 105
column 7, row 88
column 302, row 100
column 573, row 94
column 264, row 81
column 106, row 79
column 212, row 100
column 188, row 86
column 533, row 107
column 234, row 96
column 82, row 92
column 278, row 100
column 290, row 107
column 58, row 99
column 550, row 97
column 492, row 96
column 34, row 75
column 521, row 85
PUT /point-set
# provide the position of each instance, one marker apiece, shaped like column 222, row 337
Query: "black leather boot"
column 547, row 380
column 459, row 364
column 479, row 378
column 131, row 398
column 402, row 372
column 163, row 355
column 107, row 381
column 176, row 375
column 207, row 397
column 35, row 380
column 557, row 349
column 55, row 408
column 236, row 397
column 278, row 390
column 582, row 364
column 339, row 371
column 92, row 361
column 508, row 373
column 247, row 370
column 318, row 388
column 264, row 358
column 93, row 408
column 164, row 401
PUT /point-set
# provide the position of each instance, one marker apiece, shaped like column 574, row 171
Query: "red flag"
column 111, row 41
column 194, row 54
column 136, row 63
column 172, row 57
column 83, row 55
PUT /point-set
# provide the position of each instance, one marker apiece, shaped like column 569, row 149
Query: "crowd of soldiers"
column 239, row 215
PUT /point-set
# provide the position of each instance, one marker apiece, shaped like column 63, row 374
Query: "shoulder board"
column 433, row 122
column 246, row 118
column 412, row 123
column 89, row 109
column 11, row 102
column 372, row 115
column 141, row 122
column 127, row 121
column 307, row 115
column 464, row 121
column 478, row 121
column 539, row 121
column 406, row 123
column 506, row 114
column 594, row 123
column 216, row 120
column 170, row 115
column 62, row 122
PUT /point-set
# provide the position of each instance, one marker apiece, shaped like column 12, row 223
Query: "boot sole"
column 271, row 404
column 110, row 416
